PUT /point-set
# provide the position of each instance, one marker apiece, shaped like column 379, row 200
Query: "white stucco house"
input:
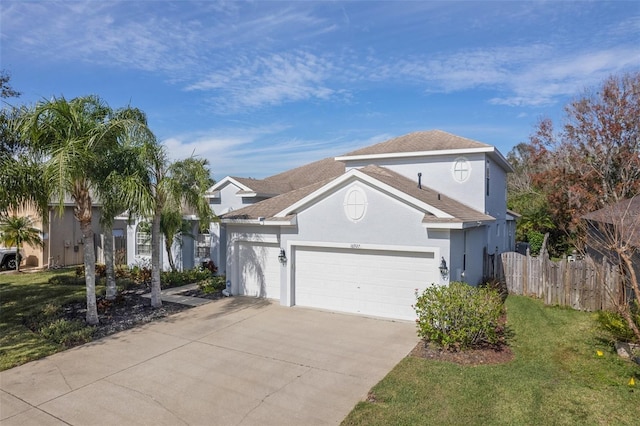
column 360, row 232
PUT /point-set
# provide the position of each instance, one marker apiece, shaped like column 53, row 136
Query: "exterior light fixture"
column 444, row 271
column 282, row 257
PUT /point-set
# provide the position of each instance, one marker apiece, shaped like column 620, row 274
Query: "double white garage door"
column 369, row 282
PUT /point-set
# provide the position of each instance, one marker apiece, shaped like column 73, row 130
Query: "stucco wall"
column 437, row 174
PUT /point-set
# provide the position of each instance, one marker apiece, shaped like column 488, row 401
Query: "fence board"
column 580, row 284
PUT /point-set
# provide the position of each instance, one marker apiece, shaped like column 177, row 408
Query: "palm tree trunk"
column 108, row 260
column 168, row 242
column 18, row 255
column 89, row 271
column 156, row 300
column 83, row 213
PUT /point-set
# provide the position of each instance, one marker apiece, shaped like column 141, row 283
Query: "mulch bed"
column 472, row 357
column 128, row 310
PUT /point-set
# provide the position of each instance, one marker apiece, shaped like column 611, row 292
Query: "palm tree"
column 123, row 181
column 173, row 227
column 15, row 231
column 74, row 136
column 173, row 187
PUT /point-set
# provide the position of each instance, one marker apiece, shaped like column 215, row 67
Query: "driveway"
column 237, row 361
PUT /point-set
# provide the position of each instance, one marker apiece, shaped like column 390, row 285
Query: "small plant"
column 66, row 280
column 616, row 326
column 100, row 269
column 459, row 316
column 179, row 278
column 213, row 284
column 66, row 332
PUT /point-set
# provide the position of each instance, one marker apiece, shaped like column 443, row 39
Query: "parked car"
column 8, row 258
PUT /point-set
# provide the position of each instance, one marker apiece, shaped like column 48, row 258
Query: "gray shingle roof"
column 431, row 140
column 460, row 212
column 624, row 215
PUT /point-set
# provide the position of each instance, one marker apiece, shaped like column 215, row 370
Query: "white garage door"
column 259, row 270
column 379, row 283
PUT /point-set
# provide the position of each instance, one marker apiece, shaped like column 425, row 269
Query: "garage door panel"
column 259, row 270
column 380, row 283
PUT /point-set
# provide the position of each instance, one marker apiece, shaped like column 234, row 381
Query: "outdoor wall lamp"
column 282, row 257
column 444, row 271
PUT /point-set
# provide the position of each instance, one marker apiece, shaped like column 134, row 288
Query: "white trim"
column 415, row 154
column 489, row 150
column 256, row 222
column 358, row 175
column 224, row 182
column 457, row 225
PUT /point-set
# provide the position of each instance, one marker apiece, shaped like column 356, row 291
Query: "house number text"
column 355, row 246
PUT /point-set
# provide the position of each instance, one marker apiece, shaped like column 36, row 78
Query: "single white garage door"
column 378, row 283
column 259, row 270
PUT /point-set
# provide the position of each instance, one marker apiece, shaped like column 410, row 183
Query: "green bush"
column 535, row 240
column 213, row 284
column 179, row 278
column 616, row 326
column 100, row 269
column 66, row 332
column 459, row 316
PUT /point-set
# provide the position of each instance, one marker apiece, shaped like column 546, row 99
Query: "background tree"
column 16, row 231
column 614, row 233
column 20, row 171
column 174, row 227
column 593, row 161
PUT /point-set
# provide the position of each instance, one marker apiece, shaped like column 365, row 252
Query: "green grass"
column 556, row 378
column 20, row 295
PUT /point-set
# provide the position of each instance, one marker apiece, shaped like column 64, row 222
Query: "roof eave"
column 490, row 150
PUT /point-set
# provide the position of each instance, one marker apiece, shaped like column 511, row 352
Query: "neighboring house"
column 617, row 224
column 363, row 232
column 61, row 236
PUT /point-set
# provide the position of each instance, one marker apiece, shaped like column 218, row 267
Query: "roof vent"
column 420, row 180
column 438, row 197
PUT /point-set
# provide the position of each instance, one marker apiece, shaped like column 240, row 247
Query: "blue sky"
column 261, row 87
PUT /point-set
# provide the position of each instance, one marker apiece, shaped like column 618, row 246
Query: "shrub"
column 101, row 270
column 66, row 280
column 497, row 285
column 535, row 240
column 459, row 316
column 180, row 278
column 616, row 326
column 66, row 332
column 213, row 284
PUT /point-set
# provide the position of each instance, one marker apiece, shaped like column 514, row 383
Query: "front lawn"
column 556, row 378
column 20, row 295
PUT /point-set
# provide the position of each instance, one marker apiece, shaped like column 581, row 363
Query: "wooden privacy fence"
column 581, row 284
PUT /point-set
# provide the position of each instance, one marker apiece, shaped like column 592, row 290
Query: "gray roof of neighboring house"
column 625, row 213
column 431, row 140
column 460, row 212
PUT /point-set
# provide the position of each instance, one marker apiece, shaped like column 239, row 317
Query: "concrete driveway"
column 238, row 361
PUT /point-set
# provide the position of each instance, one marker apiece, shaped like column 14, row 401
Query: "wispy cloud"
column 269, row 80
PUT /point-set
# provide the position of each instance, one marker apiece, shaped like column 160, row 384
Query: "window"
column 143, row 239
column 355, row 204
column 488, row 177
column 203, row 246
column 461, row 169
